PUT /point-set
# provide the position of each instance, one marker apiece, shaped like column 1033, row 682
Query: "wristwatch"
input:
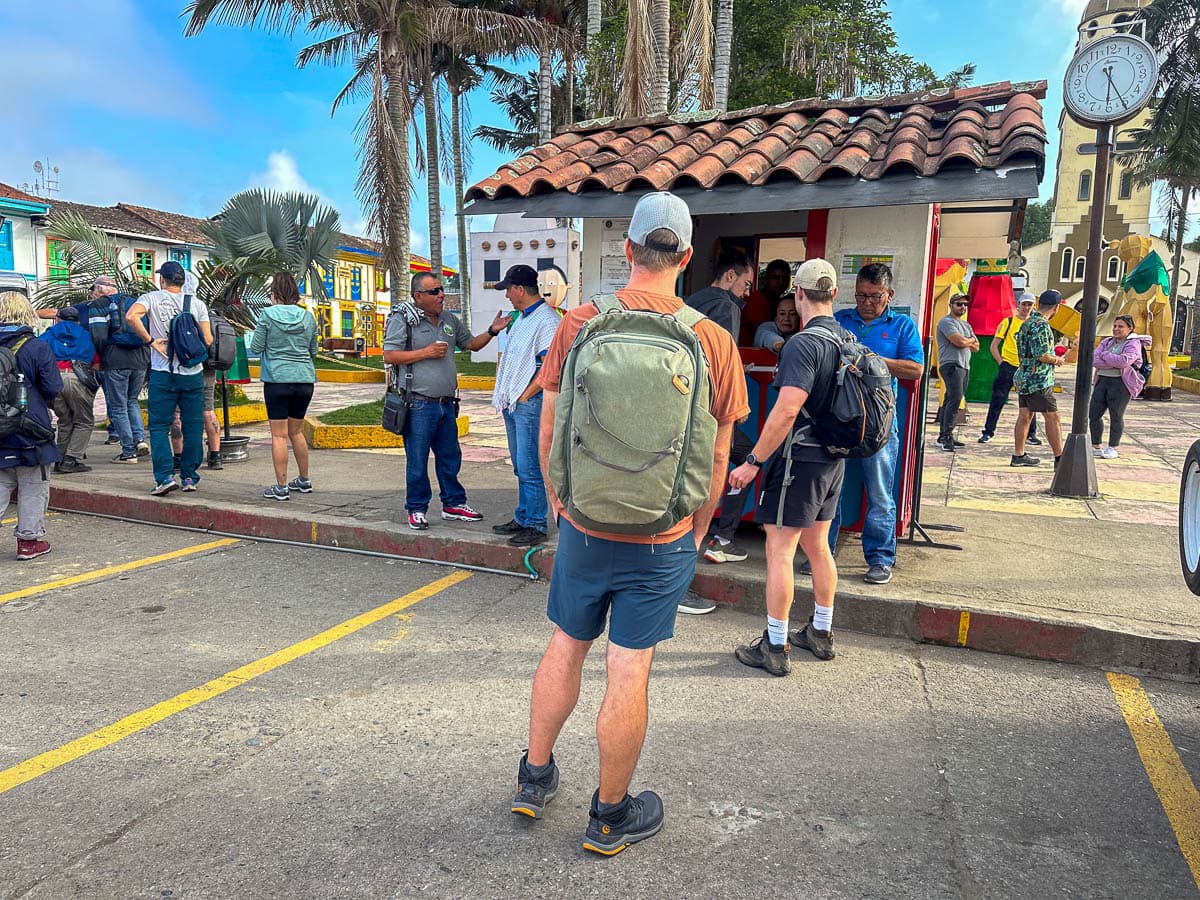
column 752, row 460
column 492, row 333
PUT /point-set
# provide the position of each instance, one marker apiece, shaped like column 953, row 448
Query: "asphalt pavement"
column 186, row 717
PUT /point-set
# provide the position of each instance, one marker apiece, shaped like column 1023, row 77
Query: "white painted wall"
column 510, row 230
column 903, row 231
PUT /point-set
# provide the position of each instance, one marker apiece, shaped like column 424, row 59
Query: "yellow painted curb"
column 476, row 383
column 355, row 437
column 244, row 414
column 338, row 376
column 1189, row 385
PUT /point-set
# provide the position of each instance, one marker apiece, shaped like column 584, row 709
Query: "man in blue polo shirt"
column 893, row 336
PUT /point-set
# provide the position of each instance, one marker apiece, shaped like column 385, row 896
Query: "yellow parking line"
column 1170, row 779
column 131, row 724
column 12, row 520
column 113, row 570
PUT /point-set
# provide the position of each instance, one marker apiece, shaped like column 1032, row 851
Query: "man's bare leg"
column 781, row 577
column 555, row 693
column 1054, row 432
column 814, row 541
column 1021, row 431
column 621, row 726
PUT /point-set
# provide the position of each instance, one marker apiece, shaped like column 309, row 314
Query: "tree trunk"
column 724, row 33
column 433, row 177
column 569, row 61
column 459, row 188
column 397, row 233
column 594, row 12
column 660, row 25
column 545, row 86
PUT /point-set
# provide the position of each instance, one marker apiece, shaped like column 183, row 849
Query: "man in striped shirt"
column 519, row 399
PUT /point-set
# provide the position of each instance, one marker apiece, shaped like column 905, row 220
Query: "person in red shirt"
column 631, row 583
column 760, row 305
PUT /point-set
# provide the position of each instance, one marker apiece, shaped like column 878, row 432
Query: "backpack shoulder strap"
column 607, row 303
column 822, row 332
column 685, row 315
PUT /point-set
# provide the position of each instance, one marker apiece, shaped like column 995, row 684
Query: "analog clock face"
column 1110, row 79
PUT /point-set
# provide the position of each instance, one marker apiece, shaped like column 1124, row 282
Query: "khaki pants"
column 76, row 416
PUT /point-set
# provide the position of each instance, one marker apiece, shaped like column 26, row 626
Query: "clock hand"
column 1108, row 93
column 1108, row 75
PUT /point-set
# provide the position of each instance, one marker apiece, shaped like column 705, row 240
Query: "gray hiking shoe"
column 534, row 792
column 818, row 643
column 762, row 654
column 693, row 604
column 613, row 829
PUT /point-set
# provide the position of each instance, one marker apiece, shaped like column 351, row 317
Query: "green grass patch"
column 467, row 366
column 1188, row 373
column 237, row 397
column 462, row 362
column 359, row 414
column 354, row 365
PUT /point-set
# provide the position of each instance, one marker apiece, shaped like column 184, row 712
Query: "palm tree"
column 724, row 50
column 517, row 95
column 433, row 180
column 660, row 32
column 258, row 233
column 389, row 43
column 1168, row 148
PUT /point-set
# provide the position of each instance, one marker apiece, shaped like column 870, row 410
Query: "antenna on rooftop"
column 45, row 182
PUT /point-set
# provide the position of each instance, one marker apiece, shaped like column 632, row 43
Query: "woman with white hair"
column 29, row 382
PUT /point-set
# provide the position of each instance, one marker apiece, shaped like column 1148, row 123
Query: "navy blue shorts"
column 635, row 586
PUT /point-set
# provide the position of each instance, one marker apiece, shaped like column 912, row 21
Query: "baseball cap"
column 518, row 276
column 1027, row 297
column 661, row 210
column 172, row 271
column 812, row 271
column 1050, row 298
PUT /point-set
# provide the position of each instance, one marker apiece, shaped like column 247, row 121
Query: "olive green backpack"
column 633, row 431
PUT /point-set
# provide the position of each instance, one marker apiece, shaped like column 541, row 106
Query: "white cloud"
column 283, row 174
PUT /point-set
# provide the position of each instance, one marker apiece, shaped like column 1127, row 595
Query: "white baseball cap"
column 812, row 271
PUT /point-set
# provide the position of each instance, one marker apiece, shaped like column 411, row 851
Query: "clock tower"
column 1128, row 209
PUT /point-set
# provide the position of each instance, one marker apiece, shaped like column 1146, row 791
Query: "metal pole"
column 1076, row 473
column 225, row 403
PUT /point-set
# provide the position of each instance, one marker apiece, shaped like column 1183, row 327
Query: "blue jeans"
column 522, row 422
column 879, row 524
column 168, row 390
column 432, row 426
column 121, row 389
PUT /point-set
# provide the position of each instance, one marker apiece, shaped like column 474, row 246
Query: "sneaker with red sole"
column 32, row 549
column 417, row 521
column 462, row 512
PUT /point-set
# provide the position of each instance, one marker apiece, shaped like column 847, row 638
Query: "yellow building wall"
column 341, row 316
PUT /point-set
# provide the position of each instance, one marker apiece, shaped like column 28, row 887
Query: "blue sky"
column 130, row 110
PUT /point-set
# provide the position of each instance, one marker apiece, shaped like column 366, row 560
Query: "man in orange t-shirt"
column 633, row 582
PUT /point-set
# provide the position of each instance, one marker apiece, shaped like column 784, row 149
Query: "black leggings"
column 1109, row 395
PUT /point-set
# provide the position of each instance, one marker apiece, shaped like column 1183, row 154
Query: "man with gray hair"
column 628, row 582
column 417, row 342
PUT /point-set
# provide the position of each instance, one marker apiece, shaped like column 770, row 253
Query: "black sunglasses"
column 435, row 291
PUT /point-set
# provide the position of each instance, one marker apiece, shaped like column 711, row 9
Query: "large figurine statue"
column 1143, row 295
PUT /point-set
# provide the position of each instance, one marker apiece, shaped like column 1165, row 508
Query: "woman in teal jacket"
column 285, row 341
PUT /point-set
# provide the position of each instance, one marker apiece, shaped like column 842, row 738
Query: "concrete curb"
column 1012, row 634
column 352, row 437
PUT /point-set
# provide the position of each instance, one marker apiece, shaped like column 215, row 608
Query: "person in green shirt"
column 1034, row 380
column 1004, row 350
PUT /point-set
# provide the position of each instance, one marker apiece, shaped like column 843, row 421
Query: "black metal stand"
column 225, row 404
column 915, row 526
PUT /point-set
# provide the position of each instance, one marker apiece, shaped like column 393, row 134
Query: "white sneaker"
column 1097, row 451
column 1109, row 453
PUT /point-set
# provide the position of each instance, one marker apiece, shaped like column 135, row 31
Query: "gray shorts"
column 210, row 391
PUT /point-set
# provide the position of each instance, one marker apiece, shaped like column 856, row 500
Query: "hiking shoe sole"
column 531, row 809
column 620, row 841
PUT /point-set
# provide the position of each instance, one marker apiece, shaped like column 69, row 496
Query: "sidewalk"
column 1089, row 582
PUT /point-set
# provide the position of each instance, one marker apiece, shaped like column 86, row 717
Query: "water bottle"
column 21, row 393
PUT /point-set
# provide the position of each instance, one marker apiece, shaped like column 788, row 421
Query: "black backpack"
column 222, row 352
column 13, row 417
column 1146, row 369
column 862, row 409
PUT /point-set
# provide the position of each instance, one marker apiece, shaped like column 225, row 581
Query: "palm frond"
column 692, row 59
column 633, row 100
column 274, row 15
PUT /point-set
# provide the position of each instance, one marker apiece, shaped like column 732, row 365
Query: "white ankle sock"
column 777, row 631
column 822, row 618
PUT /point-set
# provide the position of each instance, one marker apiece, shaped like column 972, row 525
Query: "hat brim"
column 503, row 285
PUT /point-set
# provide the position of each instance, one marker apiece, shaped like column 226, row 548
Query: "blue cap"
column 172, row 271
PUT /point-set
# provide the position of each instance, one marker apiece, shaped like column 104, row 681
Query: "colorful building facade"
column 356, row 299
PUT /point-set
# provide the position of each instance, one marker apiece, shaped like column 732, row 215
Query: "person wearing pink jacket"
column 1118, row 379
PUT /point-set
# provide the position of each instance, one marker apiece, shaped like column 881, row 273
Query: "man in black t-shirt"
column 802, row 484
column 722, row 300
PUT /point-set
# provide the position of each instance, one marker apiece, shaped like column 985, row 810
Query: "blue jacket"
column 70, row 341
column 36, row 361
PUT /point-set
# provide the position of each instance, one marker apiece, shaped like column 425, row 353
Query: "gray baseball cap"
column 661, row 210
